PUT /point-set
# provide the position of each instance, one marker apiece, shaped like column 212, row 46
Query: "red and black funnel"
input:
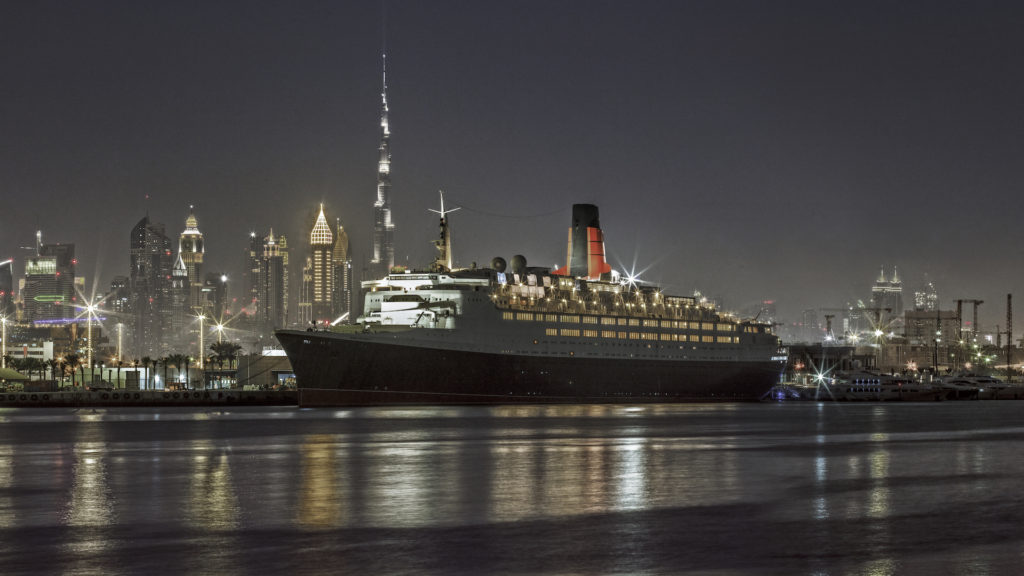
column 586, row 245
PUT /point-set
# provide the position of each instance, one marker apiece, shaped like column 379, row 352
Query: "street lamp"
column 91, row 309
column 3, row 340
column 220, row 332
column 200, row 359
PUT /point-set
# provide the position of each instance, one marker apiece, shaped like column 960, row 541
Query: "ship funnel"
column 585, row 257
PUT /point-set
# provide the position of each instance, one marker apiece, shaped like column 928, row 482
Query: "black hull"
column 337, row 371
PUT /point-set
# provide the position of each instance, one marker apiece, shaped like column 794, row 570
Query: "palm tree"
column 52, row 365
column 72, row 361
column 177, row 360
column 226, row 351
column 167, row 360
column 233, row 355
column 37, row 365
column 18, row 364
column 146, row 361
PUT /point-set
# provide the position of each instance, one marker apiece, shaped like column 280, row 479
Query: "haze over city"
column 751, row 151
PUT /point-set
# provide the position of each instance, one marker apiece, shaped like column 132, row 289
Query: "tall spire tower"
column 383, row 227
column 321, row 244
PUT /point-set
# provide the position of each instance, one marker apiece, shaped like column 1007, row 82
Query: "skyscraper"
column 887, row 297
column 150, row 286
column 273, row 282
column 927, row 298
column 306, row 293
column 321, row 245
column 49, row 293
column 253, row 255
column 191, row 250
column 383, row 227
column 7, row 289
column 119, row 300
column 181, row 308
column 342, row 276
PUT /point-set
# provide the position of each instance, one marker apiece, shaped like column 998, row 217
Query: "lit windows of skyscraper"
column 49, row 293
column 321, row 243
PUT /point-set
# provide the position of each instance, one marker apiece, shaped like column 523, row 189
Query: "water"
column 679, row 489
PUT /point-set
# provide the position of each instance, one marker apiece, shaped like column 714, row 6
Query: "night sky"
column 751, row 150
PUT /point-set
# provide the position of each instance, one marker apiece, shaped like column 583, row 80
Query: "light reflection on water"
column 728, row 489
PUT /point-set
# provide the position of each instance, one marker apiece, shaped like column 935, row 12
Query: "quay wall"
column 149, row 398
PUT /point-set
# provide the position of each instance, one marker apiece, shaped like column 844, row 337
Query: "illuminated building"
column 253, row 256
column 342, row 276
column 383, row 227
column 926, row 299
column 49, row 292
column 191, row 250
column 887, row 295
column 181, row 309
column 41, row 299
column 321, row 244
column 7, row 289
column 306, row 293
column 119, row 300
column 267, row 281
column 150, row 286
column 273, row 282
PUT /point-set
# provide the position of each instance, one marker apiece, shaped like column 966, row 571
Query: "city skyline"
column 750, row 152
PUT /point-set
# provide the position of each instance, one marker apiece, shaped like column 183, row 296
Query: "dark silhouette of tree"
column 72, row 362
column 146, row 361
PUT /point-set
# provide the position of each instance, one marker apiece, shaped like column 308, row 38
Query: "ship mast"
column 443, row 263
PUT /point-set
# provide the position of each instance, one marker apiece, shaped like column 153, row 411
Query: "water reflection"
column 850, row 489
column 212, row 504
column 878, row 497
column 7, row 514
column 89, row 508
column 319, row 504
column 556, row 465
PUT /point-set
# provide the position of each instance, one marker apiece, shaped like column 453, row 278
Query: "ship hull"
column 333, row 370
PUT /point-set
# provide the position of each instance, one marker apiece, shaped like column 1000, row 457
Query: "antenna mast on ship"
column 443, row 263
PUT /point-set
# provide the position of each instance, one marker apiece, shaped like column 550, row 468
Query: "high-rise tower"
column 342, row 276
column 181, row 309
column 321, row 244
column 273, row 285
column 7, row 289
column 49, row 293
column 383, row 227
column 150, row 286
column 191, row 250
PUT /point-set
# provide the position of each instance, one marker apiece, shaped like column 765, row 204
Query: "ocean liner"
column 518, row 334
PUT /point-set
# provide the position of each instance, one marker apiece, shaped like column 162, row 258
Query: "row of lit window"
column 575, row 333
column 615, row 321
